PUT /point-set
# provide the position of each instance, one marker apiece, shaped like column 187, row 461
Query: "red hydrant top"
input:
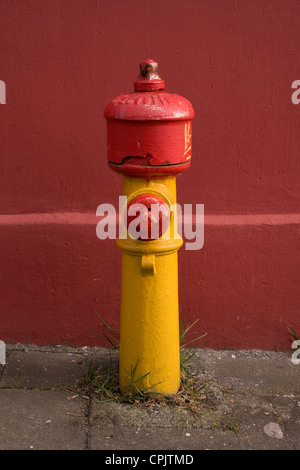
column 149, row 131
column 149, row 102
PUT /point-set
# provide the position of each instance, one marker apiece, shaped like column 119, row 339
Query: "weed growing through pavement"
column 294, row 337
column 105, row 384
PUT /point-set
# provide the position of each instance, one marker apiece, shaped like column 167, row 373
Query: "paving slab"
column 158, row 439
column 237, row 422
column 112, row 438
column 252, row 402
column 41, row 420
column 261, row 372
column 43, row 369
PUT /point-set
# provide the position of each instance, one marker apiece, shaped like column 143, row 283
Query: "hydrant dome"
column 149, row 102
column 149, row 106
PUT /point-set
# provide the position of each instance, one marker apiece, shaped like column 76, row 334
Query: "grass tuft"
column 294, row 337
column 109, row 334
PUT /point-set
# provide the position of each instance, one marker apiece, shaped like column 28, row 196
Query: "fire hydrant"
column 149, row 143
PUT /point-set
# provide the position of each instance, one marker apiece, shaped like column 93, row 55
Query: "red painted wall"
column 62, row 61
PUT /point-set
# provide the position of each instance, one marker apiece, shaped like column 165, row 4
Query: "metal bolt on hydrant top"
column 149, row 143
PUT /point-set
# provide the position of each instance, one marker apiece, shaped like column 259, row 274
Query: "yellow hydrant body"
column 149, row 142
column 149, row 327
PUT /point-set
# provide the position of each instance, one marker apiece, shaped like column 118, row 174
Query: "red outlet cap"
column 148, row 217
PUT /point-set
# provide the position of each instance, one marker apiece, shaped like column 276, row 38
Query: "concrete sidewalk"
column 253, row 403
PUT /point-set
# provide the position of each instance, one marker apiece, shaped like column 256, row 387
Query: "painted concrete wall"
column 61, row 62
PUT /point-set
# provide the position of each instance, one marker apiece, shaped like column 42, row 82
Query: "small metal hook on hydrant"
column 149, row 143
